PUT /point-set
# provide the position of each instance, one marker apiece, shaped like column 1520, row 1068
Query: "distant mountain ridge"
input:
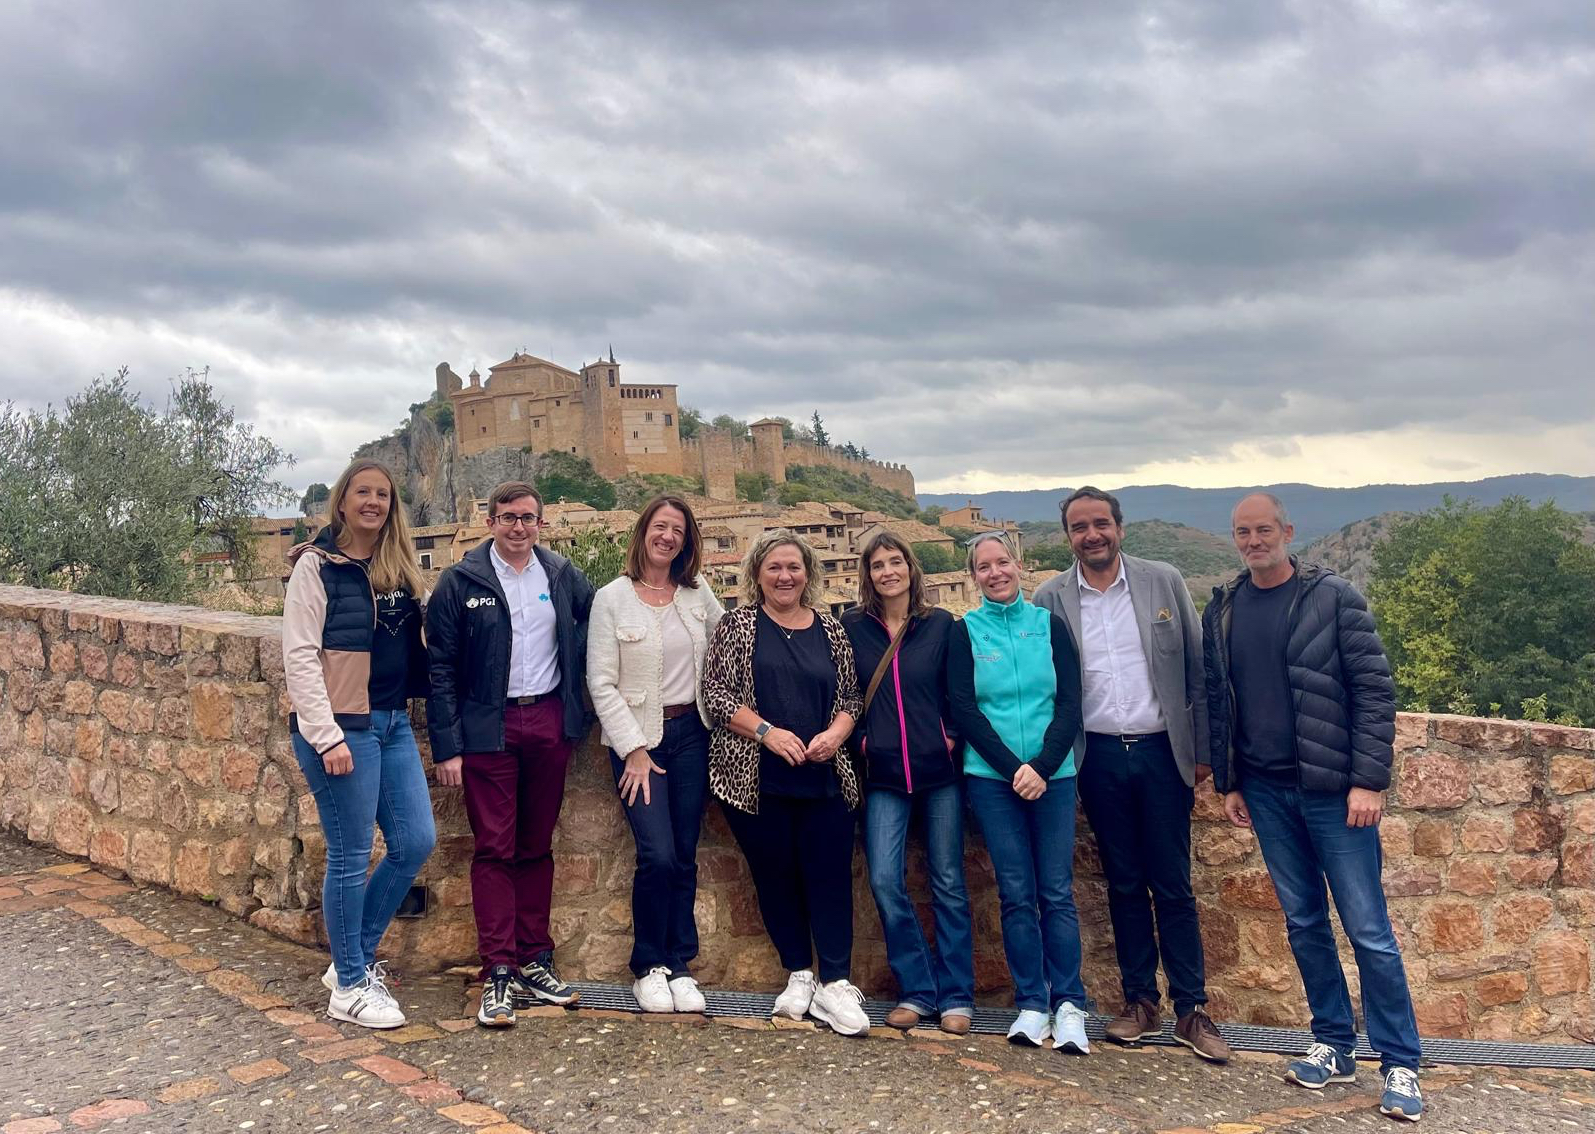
column 1314, row 510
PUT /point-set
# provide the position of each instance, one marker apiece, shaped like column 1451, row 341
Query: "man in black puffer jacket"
column 1301, row 712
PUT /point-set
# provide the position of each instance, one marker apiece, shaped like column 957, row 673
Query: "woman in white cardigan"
column 646, row 639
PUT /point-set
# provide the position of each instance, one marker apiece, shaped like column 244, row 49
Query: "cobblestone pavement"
column 134, row 1010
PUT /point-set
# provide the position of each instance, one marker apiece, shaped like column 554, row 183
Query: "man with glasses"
column 506, row 633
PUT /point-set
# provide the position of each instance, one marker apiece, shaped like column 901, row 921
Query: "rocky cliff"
column 437, row 485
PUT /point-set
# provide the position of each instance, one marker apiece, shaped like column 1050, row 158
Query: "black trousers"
column 1140, row 811
column 800, row 853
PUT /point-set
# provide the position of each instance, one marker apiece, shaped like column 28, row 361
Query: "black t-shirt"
column 398, row 616
column 1265, row 727
column 794, row 682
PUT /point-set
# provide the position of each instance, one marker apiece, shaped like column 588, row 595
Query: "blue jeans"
column 666, row 830
column 388, row 789
column 1305, row 841
column 927, row 986
column 1032, row 853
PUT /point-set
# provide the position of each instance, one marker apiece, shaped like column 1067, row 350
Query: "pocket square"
column 1163, row 614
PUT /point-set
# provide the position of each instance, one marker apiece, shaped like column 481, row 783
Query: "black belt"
column 674, row 711
column 511, row 702
column 1129, row 739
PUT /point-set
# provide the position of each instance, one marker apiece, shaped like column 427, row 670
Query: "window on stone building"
column 611, row 379
column 648, row 416
column 634, row 435
column 484, row 429
column 426, row 561
column 537, row 423
column 667, row 419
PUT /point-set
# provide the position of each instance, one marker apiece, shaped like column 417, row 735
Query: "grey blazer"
column 1171, row 638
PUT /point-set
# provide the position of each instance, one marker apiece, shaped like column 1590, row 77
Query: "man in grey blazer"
column 1140, row 754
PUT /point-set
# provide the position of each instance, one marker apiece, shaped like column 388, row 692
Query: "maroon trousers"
column 512, row 799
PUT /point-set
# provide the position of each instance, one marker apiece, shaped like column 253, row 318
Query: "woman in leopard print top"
column 782, row 691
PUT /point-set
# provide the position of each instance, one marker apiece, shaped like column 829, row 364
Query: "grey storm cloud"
column 1030, row 238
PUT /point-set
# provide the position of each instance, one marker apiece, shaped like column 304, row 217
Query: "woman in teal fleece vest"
column 1013, row 682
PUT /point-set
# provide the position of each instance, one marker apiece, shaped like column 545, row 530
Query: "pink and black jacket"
column 903, row 739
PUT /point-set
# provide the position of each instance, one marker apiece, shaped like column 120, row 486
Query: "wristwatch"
column 764, row 727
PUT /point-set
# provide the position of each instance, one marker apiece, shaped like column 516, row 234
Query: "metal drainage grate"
column 1241, row 1037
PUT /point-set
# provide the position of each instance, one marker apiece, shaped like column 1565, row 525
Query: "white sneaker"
column 1068, row 1030
column 685, row 995
column 794, row 1002
column 368, row 1004
column 1031, row 1027
column 652, row 990
column 329, row 979
column 841, row 1006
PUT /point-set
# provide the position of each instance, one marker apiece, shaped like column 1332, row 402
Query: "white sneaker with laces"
column 652, row 990
column 1068, row 1030
column 685, row 995
column 1031, row 1027
column 840, row 1005
column 793, row 1003
column 368, row 1004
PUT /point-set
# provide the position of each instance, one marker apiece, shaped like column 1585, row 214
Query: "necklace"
column 787, row 634
column 651, row 587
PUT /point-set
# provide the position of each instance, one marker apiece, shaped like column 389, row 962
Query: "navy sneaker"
column 497, row 1010
column 536, row 982
column 1322, row 1064
column 1401, row 1099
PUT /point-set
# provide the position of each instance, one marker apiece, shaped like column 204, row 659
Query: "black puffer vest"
column 346, row 633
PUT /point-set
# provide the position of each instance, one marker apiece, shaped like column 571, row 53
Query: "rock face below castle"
column 440, row 483
column 529, row 406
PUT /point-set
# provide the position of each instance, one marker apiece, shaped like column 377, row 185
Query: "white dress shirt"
column 534, row 651
column 1118, row 693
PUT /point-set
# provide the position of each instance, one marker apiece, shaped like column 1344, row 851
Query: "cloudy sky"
column 1010, row 244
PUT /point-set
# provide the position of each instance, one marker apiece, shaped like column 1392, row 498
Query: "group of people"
column 1103, row 687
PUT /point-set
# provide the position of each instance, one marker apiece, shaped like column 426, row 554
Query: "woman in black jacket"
column 909, row 771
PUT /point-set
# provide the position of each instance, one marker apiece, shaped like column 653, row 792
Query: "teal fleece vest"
column 1015, row 682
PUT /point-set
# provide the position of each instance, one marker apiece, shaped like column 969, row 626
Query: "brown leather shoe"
column 1139, row 1018
column 955, row 1024
column 1197, row 1032
column 902, row 1018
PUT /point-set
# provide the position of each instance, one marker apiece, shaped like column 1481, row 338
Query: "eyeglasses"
column 510, row 519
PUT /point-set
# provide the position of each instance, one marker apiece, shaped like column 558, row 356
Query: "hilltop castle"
column 623, row 427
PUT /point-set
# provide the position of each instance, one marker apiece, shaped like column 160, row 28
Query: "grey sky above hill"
column 1012, row 245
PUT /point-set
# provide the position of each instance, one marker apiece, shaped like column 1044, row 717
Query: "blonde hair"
column 393, row 557
column 986, row 537
column 753, row 561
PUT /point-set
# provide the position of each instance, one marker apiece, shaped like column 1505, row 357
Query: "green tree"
column 931, row 515
column 1049, row 557
column 565, row 476
column 753, row 485
column 934, row 557
column 314, row 498
column 227, row 468
column 301, row 531
column 1489, row 607
column 729, row 424
column 600, row 554
column 817, row 427
column 110, row 496
column 688, row 422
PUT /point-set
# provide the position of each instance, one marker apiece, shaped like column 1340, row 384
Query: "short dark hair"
column 511, row 490
column 688, row 562
column 1089, row 492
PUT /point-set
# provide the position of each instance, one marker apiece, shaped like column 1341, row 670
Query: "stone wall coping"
column 27, row 602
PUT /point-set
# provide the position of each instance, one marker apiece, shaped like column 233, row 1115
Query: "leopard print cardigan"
column 728, row 684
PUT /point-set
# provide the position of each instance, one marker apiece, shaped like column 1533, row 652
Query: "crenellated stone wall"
column 153, row 740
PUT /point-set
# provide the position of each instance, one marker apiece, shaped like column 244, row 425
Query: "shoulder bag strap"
column 886, row 661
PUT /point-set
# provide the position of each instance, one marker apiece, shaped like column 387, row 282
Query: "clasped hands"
column 786, row 744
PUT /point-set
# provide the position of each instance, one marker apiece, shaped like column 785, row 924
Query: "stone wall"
column 153, row 740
